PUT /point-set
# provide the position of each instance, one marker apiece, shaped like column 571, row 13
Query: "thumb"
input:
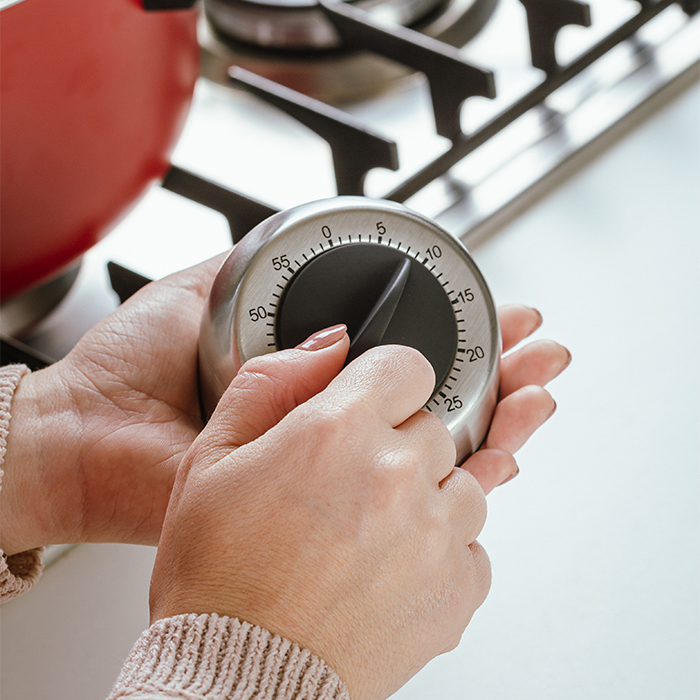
column 268, row 387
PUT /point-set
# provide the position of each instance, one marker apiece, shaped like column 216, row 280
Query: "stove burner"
column 332, row 75
column 300, row 24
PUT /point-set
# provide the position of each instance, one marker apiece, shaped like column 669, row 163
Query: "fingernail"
column 512, row 476
column 554, row 409
column 325, row 338
column 539, row 318
column 568, row 358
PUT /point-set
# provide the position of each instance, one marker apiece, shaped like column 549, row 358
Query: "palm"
column 133, row 381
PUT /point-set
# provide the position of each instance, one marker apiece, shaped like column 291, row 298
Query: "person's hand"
column 523, row 403
column 326, row 507
column 96, row 439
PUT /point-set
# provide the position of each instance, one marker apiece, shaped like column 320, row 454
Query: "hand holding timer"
column 389, row 274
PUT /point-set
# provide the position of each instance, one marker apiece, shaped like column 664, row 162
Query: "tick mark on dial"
column 381, row 293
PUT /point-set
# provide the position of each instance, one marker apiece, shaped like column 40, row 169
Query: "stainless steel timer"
column 390, row 274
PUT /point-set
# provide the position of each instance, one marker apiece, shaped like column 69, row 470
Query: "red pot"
column 93, row 95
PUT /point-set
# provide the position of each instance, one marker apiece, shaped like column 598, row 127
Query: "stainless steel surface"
column 340, row 76
column 248, row 280
column 300, row 24
column 501, row 178
column 24, row 310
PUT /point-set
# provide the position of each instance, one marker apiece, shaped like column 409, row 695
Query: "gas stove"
column 469, row 137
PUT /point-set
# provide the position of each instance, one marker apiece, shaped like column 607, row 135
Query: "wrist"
column 36, row 507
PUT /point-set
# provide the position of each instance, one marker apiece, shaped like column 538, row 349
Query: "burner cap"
column 334, row 76
column 300, row 25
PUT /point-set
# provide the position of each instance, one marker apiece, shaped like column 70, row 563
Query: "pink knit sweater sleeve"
column 212, row 657
column 19, row 572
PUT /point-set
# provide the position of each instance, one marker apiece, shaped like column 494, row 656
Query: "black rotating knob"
column 382, row 295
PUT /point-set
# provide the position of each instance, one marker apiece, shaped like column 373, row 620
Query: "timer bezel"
column 240, row 319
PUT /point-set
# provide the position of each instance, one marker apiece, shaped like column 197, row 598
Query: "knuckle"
column 396, row 361
column 539, row 400
column 467, row 589
column 537, row 395
column 477, row 504
column 469, row 501
column 263, row 370
column 460, row 597
column 438, row 438
column 436, row 427
column 437, row 528
column 454, row 639
column 395, row 482
column 480, row 573
column 323, row 427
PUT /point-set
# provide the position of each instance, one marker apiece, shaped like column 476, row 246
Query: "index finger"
column 394, row 380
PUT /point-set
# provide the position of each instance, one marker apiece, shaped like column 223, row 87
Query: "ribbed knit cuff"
column 211, row 657
column 19, row 572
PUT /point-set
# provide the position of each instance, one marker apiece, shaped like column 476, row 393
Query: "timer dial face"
column 389, row 274
column 381, row 294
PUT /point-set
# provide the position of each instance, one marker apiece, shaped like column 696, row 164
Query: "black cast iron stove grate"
column 357, row 149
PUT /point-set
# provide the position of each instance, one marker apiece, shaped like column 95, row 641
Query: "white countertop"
column 595, row 546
